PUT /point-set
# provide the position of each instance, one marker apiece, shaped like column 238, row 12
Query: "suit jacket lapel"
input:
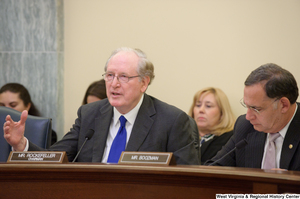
column 142, row 125
column 291, row 142
column 102, row 124
column 255, row 149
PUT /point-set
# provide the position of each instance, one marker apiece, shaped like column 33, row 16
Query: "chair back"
column 37, row 129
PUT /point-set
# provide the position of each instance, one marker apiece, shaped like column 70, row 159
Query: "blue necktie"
column 119, row 143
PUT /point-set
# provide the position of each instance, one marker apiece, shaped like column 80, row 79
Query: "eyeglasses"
column 258, row 110
column 122, row 78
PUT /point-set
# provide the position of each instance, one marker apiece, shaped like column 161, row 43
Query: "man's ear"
column 285, row 104
column 145, row 82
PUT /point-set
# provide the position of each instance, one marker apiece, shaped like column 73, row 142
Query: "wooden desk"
column 96, row 180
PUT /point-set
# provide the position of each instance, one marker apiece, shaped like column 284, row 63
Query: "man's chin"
column 114, row 102
column 260, row 129
column 257, row 127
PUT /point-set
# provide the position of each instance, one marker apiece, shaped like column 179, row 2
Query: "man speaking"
column 128, row 120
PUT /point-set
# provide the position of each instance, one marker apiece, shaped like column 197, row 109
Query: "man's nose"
column 115, row 81
column 250, row 115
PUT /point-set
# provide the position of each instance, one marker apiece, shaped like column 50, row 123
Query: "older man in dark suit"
column 144, row 122
column 271, row 125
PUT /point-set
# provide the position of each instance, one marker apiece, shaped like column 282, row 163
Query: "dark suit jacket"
column 252, row 154
column 158, row 127
column 211, row 147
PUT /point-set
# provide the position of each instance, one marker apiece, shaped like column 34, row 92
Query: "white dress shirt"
column 115, row 125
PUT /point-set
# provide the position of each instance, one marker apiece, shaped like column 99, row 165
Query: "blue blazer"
column 158, row 127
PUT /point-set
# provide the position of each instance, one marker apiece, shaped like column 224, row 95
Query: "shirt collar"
column 130, row 116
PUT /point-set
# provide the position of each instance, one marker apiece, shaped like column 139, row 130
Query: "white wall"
column 192, row 44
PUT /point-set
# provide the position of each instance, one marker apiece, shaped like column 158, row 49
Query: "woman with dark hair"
column 95, row 92
column 16, row 96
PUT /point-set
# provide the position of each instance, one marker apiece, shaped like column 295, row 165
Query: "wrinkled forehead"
column 124, row 60
column 255, row 94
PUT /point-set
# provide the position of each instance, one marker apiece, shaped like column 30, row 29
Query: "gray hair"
column 145, row 67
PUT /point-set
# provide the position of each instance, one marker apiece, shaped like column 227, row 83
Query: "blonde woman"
column 215, row 120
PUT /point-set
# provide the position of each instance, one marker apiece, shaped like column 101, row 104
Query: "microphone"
column 88, row 136
column 241, row 144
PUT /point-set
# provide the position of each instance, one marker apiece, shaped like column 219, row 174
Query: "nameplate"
column 147, row 158
column 37, row 157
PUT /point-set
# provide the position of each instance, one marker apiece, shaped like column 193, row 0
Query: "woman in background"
column 215, row 120
column 95, row 92
column 16, row 96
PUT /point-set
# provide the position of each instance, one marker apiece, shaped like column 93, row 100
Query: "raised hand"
column 14, row 132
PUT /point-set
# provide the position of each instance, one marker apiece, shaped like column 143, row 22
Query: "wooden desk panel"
column 95, row 180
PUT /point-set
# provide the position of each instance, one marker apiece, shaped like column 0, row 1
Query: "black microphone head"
column 241, row 144
column 89, row 134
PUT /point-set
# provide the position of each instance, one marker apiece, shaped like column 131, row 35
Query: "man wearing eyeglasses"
column 271, row 125
column 127, row 120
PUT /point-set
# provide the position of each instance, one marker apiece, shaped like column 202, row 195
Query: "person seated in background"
column 16, row 96
column 95, row 92
column 215, row 120
column 128, row 120
column 271, row 125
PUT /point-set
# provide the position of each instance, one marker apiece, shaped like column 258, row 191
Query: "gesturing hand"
column 14, row 131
